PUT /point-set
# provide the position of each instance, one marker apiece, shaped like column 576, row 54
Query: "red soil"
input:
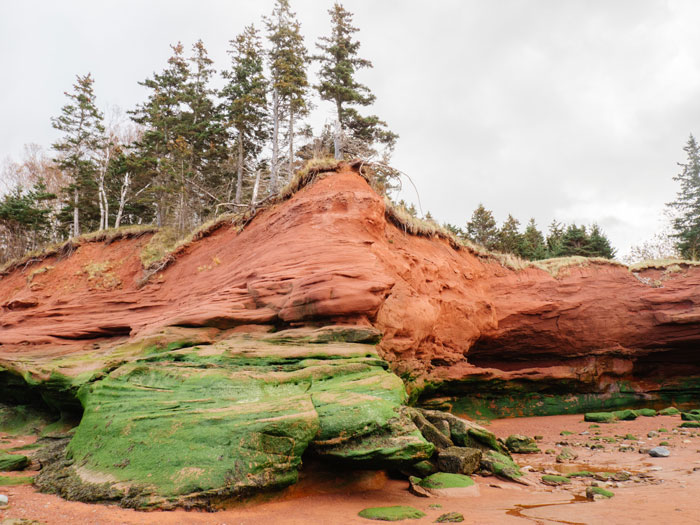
column 669, row 496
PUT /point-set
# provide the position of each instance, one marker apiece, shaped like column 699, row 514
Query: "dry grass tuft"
column 66, row 248
column 556, row 265
column 669, row 265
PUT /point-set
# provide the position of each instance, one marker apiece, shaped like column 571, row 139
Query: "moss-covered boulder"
column 395, row 513
column 669, row 411
column 12, row 461
column 520, row 444
column 555, row 480
column 502, row 466
column 599, row 417
column 230, row 419
column 689, row 416
column 465, row 433
column 690, row 424
column 646, row 412
column 593, row 493
column 450, row 517
column 625, row 415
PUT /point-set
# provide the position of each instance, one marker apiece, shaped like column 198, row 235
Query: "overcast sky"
column 552, row 109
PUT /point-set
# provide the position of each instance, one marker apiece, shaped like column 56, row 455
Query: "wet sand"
column 661, row 490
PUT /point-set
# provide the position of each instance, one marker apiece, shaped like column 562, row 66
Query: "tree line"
column 562, row 240
column 191, row 151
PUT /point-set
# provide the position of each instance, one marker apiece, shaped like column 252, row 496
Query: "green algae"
column 591, row 492
column 395, row 513
column 690, row 424
column 501, row 465
column 12, row 461
column 444, row 480
column 231, row 419
column 7, row 481
column 555, row 480
column 669, row 411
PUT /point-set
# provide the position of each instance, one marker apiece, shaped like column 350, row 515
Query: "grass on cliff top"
column 66, row 248
column 670, row 265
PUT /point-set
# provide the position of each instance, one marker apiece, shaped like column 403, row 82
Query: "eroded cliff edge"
column 463, row 331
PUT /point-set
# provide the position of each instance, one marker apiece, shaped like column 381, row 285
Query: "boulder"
column 659, row 452
column 12, row 461
column 520, row 444
column 459, row 460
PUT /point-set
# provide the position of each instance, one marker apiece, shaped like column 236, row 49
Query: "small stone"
column 3, row 499
column 584, row 433
column 655, row 469
column 450, row 517
column 652, row 434
column 659, row 452
column 593, row 493
column 566, row 455
column 521, row 444
column 459, row 460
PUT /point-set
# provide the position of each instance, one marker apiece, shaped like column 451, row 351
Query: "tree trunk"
column 291, row 142
column 337, row 153
column 275, row 140
column 255, row 188
column 239, row 181
column 76, row 215
column 122, row 199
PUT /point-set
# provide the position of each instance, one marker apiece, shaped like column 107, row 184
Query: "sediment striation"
column 305, row 332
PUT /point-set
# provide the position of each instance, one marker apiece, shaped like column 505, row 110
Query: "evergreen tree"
column 481, row 228
column 554, row 239
column 83, row 139
column 686, row 224
column 599, row 244
column 532, row 245
column 245, row 101
column 509, row 237
column 339, row 63
column 575, row 241
column 455, row 230
column 162, row 150
column 24, row 220
column 288, row 59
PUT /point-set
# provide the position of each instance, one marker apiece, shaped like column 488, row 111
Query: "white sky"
column 576, row 110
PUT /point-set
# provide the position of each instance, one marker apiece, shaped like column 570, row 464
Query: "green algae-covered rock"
column 465, row 433
column 395, row 513
column 450, row 517
column 501, row 465
column 555, row 480
column 689, row 416
column 599, row 417
column 230, row 420
column 598, row 492
column 625, row 415
column 646, row 412
column 669, row 411
column 522, row 444
column 690, row 424
column 12, row 461
column 445, row 480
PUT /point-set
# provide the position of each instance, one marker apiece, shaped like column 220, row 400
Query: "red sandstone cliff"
column 329, row 255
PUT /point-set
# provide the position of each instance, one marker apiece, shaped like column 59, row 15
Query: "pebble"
column 655, row 469
column 3, row 499
column 652, row 433
column 659, row 452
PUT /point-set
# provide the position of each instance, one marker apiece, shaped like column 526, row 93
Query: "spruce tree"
column 481, row 228
column 686, row 223
column 532, row 245
column 245, row 101
column 508, row 236
column 554, row 239
column 599, row 244
column 79, row 147
column 288, row 58
column 162, row 149
column 575, row 241
column 339, row 63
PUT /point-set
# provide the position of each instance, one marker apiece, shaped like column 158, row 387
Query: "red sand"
column 671, row 496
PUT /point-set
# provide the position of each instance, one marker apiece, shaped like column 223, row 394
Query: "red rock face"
column 329, row 255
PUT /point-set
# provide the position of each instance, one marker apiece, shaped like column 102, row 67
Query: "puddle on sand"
column 518, row 510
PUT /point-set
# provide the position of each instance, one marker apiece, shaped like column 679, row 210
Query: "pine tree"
column 83, row 139
column 339, row 63
column 24, row 220
column 162, row 149
column 481, row 228
column 509, row 237
column 532, row 245
column 554, row 239
column 686, row 223
column 575, row 241
column 288, row 59
column 245, row 100
column 599, row 244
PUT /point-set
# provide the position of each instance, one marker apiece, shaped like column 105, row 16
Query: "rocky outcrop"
column 224, row 337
